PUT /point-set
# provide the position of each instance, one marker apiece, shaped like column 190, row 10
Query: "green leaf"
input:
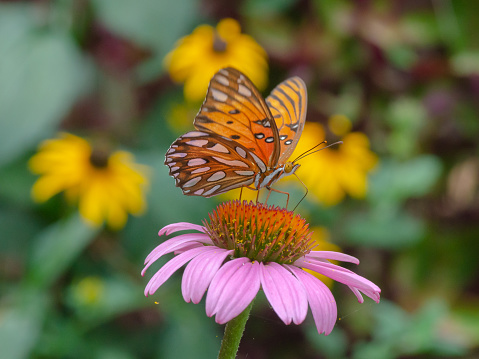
column 398, row 333
column 150, row 23
column 332, row 346
column 385, row 227
column 42, row 74
column 261, row 8
column 16, row 182
column 189, row 333
column 113, row 297
column 396, row 181
column 21, row 323
column 56, row 248
column 407, row 117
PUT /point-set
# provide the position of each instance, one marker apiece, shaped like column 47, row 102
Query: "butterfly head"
column 290, row 167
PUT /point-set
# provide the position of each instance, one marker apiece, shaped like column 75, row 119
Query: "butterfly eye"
column 288, row 167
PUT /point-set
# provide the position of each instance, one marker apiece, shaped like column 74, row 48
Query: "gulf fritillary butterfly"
column 241, row 139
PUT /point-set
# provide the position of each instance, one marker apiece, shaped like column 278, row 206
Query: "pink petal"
column 187, row 247
column 180, row 226
column 232, row 289
column 171, row 267
column 320, row 298
column 200, row 271
column 357, row 294
column 175, row 243
column 336, row 256
column 342, row 275
column 284, row 292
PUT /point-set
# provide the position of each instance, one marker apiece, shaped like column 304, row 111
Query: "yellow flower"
column 200, row 55
column 322, row 238
column 332, row 173
column 106, row 186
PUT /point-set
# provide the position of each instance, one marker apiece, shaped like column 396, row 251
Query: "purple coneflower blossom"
column 246, row 247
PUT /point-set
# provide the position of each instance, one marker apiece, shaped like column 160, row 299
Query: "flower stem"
column 233, row 333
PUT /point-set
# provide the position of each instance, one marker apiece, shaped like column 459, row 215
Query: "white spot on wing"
column 258, row 161
column 197, row 143
column 200, row 170
column 199, row 192
column 195, row 134
column 242, row 89
column 212, row 190
column 234, row 163
column 222, row 80
column 216, row 176
column 245, row 173
column 219, row 148
column 218, row 95
column 241, row 152
column 181, row 154
column 224, row 72
column 174, row 169
column 196, row 162
column 192, row 182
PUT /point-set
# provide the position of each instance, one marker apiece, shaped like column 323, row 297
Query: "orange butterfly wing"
column 234, row 108
column 288, row 104
column 206, row 164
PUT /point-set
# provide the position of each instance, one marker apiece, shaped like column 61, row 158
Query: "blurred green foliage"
column 405, row 72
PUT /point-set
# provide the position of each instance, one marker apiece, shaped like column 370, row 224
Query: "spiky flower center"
column 259, row 232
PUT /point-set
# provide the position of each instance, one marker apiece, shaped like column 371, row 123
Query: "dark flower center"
column 219, row 45
column 99, row 157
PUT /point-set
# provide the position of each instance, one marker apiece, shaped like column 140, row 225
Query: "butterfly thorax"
column 271, row 175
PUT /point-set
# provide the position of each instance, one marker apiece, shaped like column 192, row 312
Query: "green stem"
column 233, row 333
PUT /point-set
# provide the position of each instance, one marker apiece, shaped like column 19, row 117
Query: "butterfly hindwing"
column 206, row 164
column 234, row 108
column 287, row 103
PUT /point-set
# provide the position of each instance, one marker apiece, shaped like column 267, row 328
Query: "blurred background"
column 110, row 84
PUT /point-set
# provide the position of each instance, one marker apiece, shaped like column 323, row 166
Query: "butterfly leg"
column 269, row 193
column 299, row 179
column 251, row 188
column 257, row 197
column 277, row 191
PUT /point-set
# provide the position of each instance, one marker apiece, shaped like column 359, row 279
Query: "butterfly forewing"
column 235, row 109
column 287, row 103
column 207, row 164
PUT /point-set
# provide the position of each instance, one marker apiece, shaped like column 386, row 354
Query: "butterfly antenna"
column 310, row 153
column 299, row 179
column 304, row 153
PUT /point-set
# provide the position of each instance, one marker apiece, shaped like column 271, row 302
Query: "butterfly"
column 240, row 139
